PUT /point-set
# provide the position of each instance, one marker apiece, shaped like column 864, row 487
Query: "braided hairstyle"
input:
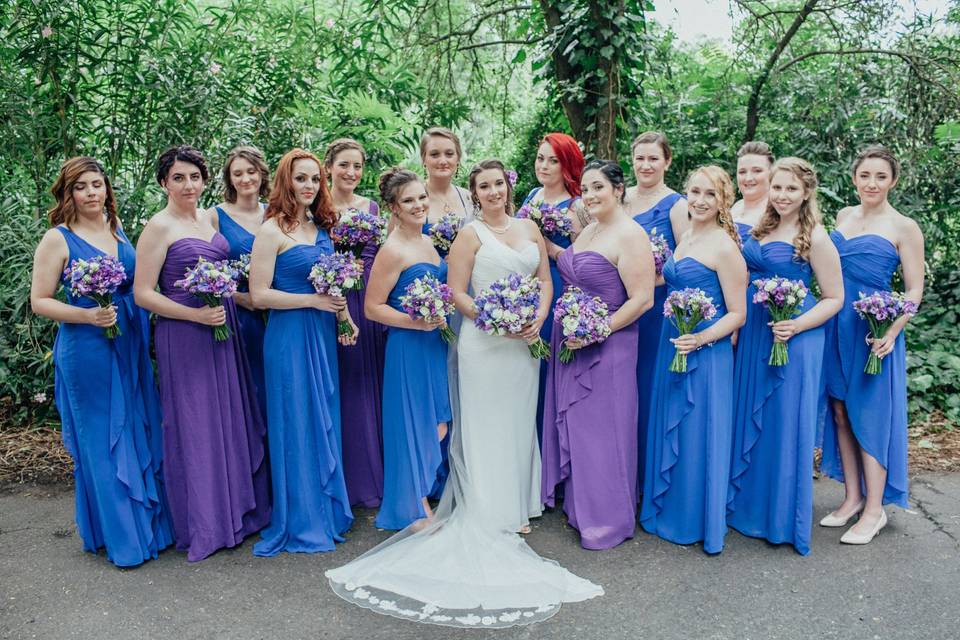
column 725, row 195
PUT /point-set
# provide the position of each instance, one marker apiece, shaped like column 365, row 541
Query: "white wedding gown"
column 469, row 567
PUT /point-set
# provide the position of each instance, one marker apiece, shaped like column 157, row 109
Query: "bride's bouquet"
column 582, row 318
column 507, row 306
column 432, row 300
column 686, row 309
column 98, row 279
column 881, row 309
column 335, row 274
column 661, row 250
column 551, row 220
column 444, row 232
column 783, row 299
column 211, row 282
column 355, row 229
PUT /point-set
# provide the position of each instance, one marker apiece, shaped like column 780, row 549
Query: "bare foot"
column 525, row 529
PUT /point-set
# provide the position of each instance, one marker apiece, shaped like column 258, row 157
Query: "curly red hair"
column 283, row 200
column 571, row 160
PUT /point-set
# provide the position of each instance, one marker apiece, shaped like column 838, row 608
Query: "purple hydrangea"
column 551, row 220
column 583, row 318
column 507, row 306
column 335, row 274
column 881, row 309
column 783, row 299
column 211, row 282
column 97, row 278
column 686, row 308
column 430, row 299
column 356, row 229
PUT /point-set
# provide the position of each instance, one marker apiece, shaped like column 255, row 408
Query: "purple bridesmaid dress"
column 214, row 464
column 361, row 379
column 590, row 417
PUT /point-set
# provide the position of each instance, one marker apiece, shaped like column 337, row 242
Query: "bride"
column 467, row 566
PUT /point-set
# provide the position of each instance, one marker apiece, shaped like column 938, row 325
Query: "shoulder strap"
column 482, row 232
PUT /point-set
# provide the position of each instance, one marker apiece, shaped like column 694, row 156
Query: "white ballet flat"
column 863, row 538
column 833, row 520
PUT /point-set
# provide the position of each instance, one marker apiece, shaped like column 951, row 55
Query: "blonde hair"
column 756, row 148
column 440, row 132
column 725, row 196
column 809, row 215
column 654, row 137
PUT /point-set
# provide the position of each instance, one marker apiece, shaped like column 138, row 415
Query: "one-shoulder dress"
column 310, row 505
column 110, row 417
column 590, row 417
column 415, row 400
column 691, row 424
column 215, row 465
column 876, row 404
column 655, row 221
column 775, row 413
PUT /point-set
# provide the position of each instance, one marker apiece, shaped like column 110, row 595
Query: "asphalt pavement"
column 904, row 585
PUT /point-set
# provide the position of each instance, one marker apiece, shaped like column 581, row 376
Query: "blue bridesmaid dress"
column 690, row 428
column 415, row 400
column 310, row 505
column 656, row 219
column 252, row 324
column 744, row 230
column 775, row 413
column 876, row 404
column 111, row 426
column 547, row 330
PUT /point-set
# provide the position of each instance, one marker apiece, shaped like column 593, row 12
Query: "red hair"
column 283, row 200
column 571, row 160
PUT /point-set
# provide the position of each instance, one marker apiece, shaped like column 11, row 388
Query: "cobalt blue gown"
column 110, row 416
column 252, row 323
column 876, row 404
column 655, row 220
column 415, row 400
column 775, row 414
column 690, row 428
column 310, row 505
column 744, row 230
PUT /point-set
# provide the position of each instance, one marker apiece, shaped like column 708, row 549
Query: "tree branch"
column 493, row 43
column 909, row 58
column 469, row 33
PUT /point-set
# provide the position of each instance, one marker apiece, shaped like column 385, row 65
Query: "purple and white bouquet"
column 98, row 279
column 432, row 300
column 686, row 309
column 881, row 309
column 335, row 274
column 551, row 220
column 661, row 250
column 211, row 282
column 507, row 306
column 355, row 229
column 242, row 266
column 783, row 299
column 444, row 232
column 582, row 318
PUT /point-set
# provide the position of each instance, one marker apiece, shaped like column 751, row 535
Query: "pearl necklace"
column 499, row 231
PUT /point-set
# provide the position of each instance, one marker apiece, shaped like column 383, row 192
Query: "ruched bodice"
column 495, row 260
column 594, row 274
column 744, row 230
column 656, row 219
column 869, row 261
column 689, row 273
column 411, row 273
column 182, row 254
column 81, row 249
column 776, row 259
column 292, row 270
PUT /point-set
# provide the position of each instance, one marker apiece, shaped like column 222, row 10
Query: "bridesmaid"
column 105, row 393
column 596, row 460
column 776, row 408
column 691, row 417
column 214, row 457
column 559, row 167
column 310, row 505
column 661, row 210
column 754, row 160
column 361, row 366
column 865, row 436
column 416, row 404
column 441, row 154
column 246, row 182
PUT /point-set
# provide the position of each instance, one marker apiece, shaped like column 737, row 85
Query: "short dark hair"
column 392, row 180
column 183, row 153
column 612, row 171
